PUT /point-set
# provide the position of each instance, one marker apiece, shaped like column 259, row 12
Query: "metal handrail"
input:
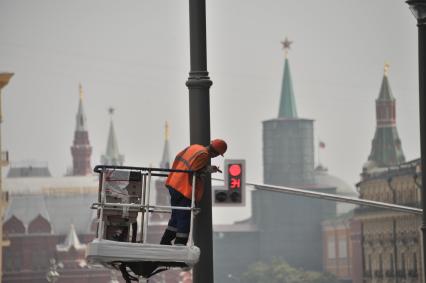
column 152, row 208
column 191, row 225
column 98, row 169
column 144, row 207
column 147, row 194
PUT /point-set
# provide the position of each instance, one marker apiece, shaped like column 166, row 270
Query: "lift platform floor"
column 106, row 252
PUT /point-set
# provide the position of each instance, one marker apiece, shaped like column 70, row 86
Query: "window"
column 403, row 262
column 414, row 262
column 370, row 263
column 343, row 248
column 331, row 248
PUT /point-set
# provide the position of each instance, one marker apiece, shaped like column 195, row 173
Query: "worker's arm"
column 201, row 164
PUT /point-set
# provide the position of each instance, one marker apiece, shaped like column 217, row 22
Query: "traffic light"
column 233, row 192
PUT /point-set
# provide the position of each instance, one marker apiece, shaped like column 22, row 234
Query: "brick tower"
column 81, row 150
column 386, row 147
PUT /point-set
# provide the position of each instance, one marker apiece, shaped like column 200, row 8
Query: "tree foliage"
column 279, row 271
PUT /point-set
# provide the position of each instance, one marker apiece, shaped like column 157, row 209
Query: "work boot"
column 181, row 241
column 168, row 237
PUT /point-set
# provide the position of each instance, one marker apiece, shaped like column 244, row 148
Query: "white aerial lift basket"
column 123, row 196
column 106, row 251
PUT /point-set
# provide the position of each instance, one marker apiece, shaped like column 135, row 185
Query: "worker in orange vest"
column 196, row 158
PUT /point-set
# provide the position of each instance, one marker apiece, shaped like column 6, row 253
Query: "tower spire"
column 287, row 101
column 81, row 116
column 112, row 155
column 80, row 90
column 165, row 160
column 386, row 147
column 166, row 131
column 81, row 150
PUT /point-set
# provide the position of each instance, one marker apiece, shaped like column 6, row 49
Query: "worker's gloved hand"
column 208, row 170
column 213, row 169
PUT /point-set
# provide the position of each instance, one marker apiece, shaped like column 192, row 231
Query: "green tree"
column 279, row 271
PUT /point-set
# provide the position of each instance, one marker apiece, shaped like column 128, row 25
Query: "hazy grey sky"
column 134, row 56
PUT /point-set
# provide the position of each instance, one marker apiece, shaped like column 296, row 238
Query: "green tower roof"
column 287, row 101
column 81, row 125
column 385, row 90
column 112, row 155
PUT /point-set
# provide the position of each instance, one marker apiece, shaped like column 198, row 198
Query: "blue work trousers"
column 180, row 219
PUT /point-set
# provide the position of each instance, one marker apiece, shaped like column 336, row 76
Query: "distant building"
column 81, row 149
column 235, row 246
column 282, row 226
column 48, row 222
column 28, row 169
column 341, row 234
column 391, row 246
column 341, row 247
column 47, row 218
column 288, row 160
column 324, row 179
column 112, row 155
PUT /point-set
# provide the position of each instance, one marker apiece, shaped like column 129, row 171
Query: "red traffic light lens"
column 235, row 170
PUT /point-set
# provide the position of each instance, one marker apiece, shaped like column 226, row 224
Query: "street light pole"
column 418, row 7
column 4, row 80
column 199, row 121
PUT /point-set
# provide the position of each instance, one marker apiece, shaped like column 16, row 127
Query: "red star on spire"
column 286, row 45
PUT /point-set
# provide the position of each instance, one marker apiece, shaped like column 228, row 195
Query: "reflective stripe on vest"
column 188, row 162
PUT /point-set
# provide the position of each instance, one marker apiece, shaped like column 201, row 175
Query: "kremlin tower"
column 162, row 196
column 112, row 155
column 81, row 150
column 288, row 150
column 386, row 147
column 288, row 160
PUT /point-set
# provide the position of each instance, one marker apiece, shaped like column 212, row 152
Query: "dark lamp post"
column 199, row 125
column 418, row 8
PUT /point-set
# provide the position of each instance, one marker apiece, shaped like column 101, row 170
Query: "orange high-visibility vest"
column 182, row 182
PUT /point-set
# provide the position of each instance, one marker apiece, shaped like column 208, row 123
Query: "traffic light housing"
column 233, row 193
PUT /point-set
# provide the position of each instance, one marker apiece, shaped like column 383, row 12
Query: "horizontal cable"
column 333, row 197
